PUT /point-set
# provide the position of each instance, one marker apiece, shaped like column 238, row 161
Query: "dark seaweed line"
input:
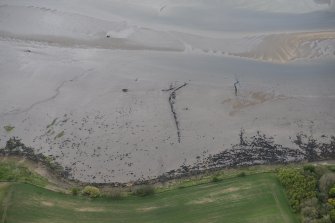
column 172, row 101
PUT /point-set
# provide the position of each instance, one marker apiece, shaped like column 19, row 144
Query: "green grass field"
column 255, row 198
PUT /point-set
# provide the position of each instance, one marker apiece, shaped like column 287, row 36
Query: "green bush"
column 320, row 170
column 242, row 174
column 91, row 192
column 144, row 190
column 309, row 212
column 325, row 219
column 326, row 182
column 331, row 201
column 309, row 208
column 182, row 186
column 115, row 194
column 75, row 191
column 216, row 179
column 332, row 215
column 309, row 168
column 331, row 192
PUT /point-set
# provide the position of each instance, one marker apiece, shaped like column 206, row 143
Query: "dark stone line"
column 172, row 101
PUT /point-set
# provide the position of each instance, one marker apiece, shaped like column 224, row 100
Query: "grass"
column 253, row 198
column 219, row 175
column 3, row 190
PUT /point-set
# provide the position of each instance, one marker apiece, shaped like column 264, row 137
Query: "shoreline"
column 242, row 155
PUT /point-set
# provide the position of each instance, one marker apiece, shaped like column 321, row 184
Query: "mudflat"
column 119, row 91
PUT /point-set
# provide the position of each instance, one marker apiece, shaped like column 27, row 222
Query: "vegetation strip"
column 222, row 201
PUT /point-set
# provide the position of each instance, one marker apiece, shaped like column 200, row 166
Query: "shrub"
column 75, row 191
column 242, row 174
column 331, row 192
column 115, row 194
column 332, row 215
column 331, row 201
column 216, row 179
column 144, row 190
column 182, row 186
column 313, row 202
column 91, row 192
column 309, row 212
column 309, row 168
column 320, row 170
column 299, row 187
column 325, row 219
column 326, row 182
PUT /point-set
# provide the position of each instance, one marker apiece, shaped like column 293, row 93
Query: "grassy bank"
column 12, row 171
column 254, row 198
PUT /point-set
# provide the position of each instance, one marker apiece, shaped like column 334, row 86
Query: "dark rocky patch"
column 256, row 150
